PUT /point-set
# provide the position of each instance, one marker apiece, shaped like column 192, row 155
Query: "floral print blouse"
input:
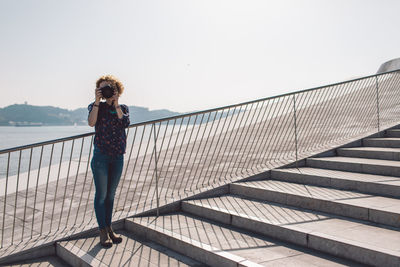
column 110, row 137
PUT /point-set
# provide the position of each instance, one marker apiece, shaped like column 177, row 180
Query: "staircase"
column 333, row 211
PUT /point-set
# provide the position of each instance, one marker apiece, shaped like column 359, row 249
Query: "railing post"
column 295, row 127
column 377, row 101
column 155, row 160
column 5, row 199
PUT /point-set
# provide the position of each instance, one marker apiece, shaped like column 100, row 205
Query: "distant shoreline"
column 29, row 115
column 44, row 125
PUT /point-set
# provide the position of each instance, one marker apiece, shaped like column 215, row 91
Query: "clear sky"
column 187, row 55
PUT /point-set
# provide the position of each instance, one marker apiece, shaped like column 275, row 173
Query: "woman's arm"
column 125, row 121
column 92, row 119
column 94, row 109
column 122, row 111
column 117, row 107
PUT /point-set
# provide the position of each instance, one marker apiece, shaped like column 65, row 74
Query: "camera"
column 107, row 91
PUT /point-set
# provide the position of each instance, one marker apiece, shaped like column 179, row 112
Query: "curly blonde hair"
column 114, row 81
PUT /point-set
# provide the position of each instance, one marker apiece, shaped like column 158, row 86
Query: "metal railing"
column 47, row 187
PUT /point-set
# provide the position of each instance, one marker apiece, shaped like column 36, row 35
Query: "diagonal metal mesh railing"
column 47, row 188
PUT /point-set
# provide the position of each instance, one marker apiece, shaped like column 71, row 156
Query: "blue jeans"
column 107, row 172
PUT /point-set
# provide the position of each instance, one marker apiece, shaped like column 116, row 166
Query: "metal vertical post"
column 5, row 199
column 295, row 126
column 155, row 160
column 377, row 101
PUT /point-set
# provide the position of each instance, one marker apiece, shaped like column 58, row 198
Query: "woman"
column 110, row 120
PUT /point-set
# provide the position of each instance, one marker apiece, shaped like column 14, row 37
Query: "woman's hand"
column 92, row 119
column 98, row 95
column 115, row 98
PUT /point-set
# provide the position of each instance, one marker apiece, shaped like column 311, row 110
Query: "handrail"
column 198, row 112
column 258, row 100
column 13, row 149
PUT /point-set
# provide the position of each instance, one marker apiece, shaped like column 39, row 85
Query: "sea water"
column 55, row 153
column 11, row 136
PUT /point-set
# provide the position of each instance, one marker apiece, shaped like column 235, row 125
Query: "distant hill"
column 24, row 114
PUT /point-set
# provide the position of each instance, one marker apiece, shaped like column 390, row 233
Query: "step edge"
column 334, row 178
column 366, row 148
column 332, row 183
column 130, row 225
column 249, row 185
column 331, row 159
column 357, row 159
column 65, row 249
column 287, row 170
column 382, row 138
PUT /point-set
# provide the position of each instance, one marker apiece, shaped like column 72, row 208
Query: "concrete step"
column 361, row 182
column 338, row 236
column 377, row 209
column 360, row 165
column 393, row 133
column 382, row 142
column 218, row 244
column 51, row 261
column 386, row 153
column 131, row 252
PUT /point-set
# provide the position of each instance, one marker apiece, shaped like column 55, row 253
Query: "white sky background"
column 187, row 55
